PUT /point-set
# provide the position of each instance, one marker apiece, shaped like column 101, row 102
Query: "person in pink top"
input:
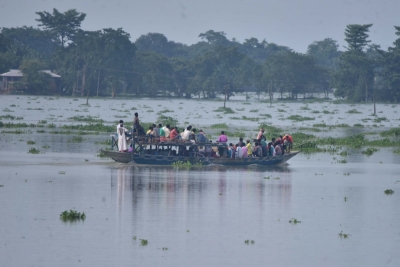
column 244, row 151
column 222, row 138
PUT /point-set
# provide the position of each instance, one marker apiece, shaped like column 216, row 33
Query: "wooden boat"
column 167, row 153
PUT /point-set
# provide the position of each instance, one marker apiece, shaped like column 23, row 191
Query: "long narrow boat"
column 167, row 153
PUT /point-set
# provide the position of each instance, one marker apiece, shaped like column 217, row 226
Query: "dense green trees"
column 107, row 62
column 355, row 76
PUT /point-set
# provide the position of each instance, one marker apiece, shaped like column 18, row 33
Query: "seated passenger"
column 241, row 142
column 162, row 135
column 167, row 131
column 186, row 133
column 244, row 151
column 233, row 150
column 257, row 150
column 192, row 136
column 239, row 152
column 173, row 135
column 202, row 151
column 201, row 137
column 278, row 150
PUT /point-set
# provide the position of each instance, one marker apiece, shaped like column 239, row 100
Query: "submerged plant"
column 343, row 235
column 143, row 242
column 389, row 192
column 29, row 142
column 72, row 215
column 300, row 118
column 33, row 150
column 369, row 151
column 294, row 221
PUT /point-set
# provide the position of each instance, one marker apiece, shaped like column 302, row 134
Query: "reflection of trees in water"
column 156, row 187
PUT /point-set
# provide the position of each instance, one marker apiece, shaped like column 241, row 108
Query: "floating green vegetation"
column 311, row 129
column 164, row 248
column 164, row 111
column 19, row 125
column 359, row 125
column 254, row 110
column 328, row 112
column 42, row 122
column 10, row 117
column 247, row 242
column 34, row 109
column 300, row 137
column 61, row 172
column 342, row 161
column 225, row 110
column 281, row 110
column 167, row 120
column 143, row 242
column 299, row 118
column 294, row 221
column 389, row 192
column 324, row 125
column 353, row 111
column 265, row 115
column 246, row 103
column 396, row 151
column 267, row 177
column 219, row 126
column 33, row 150
column 85, row 119
column 46, row 146
column 30, row 142
column 380, row 119
column 343, row 153
column 240, row 109
column 90, row 127
column 345, row 199
column 369, row 151
column 237, row 134
column 17, row 131
column 7, row 110
column 72, row 216
column 76, row 139
column 12, row 106
column 305, row 108
column 186, row 164
column 391, row 132
column 101, row 154
column 315, row 111
column 343, row 235
column 245, row 118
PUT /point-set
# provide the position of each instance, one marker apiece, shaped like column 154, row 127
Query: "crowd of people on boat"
column 158, row 133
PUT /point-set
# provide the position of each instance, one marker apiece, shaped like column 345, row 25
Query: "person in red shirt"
column 173, row 134
column 288, row 141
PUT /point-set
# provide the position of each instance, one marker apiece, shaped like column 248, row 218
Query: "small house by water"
column 14, row 76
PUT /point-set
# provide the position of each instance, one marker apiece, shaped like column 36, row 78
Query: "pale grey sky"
column 292, row 23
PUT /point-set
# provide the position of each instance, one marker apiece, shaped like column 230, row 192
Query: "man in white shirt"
column 167, row 130
column 186, row 133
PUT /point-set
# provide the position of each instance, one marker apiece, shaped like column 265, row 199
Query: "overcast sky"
column 292, row 23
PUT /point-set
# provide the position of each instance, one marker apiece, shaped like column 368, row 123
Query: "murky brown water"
column 201, row 216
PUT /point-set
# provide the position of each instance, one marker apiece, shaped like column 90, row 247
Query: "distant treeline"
column 106, row 62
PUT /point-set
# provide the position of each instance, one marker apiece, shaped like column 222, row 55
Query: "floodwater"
column 199, row 216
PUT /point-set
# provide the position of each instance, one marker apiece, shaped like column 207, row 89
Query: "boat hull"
column 146, row 159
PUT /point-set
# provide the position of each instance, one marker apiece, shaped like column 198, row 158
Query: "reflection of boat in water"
column 168, row 153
